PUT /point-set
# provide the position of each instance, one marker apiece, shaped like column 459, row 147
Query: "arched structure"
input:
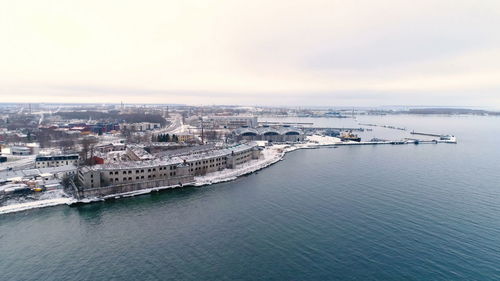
column 271, row 134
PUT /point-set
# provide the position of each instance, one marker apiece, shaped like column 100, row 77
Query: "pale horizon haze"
column 293, row 53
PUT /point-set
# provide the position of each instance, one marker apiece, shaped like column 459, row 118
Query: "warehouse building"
column 268, row 133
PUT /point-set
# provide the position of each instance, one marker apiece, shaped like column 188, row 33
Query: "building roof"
column 280, row 130
column 245, row 130
column 20, row 147
column 30, row 173
column 172, row 160
column 140, row 152
column 56, row 157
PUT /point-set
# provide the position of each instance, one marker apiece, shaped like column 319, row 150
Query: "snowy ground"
column 47, row 199
column 270, row 155
column 18, row 162
column 322, row 140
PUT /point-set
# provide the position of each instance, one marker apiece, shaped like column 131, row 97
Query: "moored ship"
column 349, row 136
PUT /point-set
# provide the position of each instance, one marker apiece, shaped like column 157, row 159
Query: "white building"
column 109, row 147
column 41, row 173
column 142, row 126
column 230, row 122
column 273, row 134
column 19, row 150
column 55, row 161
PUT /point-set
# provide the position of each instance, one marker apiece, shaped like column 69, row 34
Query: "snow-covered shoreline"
column 34, row 205
column 51, row 198
column 270, row 155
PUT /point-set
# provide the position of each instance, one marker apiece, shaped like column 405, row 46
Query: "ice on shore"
column 270, row 155
column 49, row 198
column 322, row 140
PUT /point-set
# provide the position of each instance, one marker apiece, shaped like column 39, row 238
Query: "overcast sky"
column 365, row 53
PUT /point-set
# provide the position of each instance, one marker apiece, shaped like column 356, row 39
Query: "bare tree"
column 88, row 145
column 43, row 137
column 67, row 182
column 212, row 135
column 66, row 145
column 127, row 133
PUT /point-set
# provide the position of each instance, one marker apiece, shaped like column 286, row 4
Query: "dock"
column 308, row 126
column 335, row 128
column 297, row 124
column 391, row 142
column 425, row 134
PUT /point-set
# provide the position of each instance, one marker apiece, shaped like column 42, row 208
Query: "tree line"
column 165, row 138
column 114, row 116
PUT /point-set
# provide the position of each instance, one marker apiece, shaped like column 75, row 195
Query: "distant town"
column 53, row 154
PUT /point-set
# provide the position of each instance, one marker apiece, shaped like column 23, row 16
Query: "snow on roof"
column 241, row 131
column 186, row 150
column 140, row 152
column 20, row 147
column 281, row 130
column 30, row 173
column 13, row 186
column 176, row 160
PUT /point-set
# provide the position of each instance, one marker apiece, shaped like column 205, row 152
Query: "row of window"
column 52, row 163
column 243, row 157
column 207, row 166
column 140, row 177
column 207, row 161
column 142, row 170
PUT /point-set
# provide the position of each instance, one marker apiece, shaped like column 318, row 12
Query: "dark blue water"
column 414, row 212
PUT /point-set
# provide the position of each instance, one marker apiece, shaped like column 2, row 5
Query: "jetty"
column 425, row 134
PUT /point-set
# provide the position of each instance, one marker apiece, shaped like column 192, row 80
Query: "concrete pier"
column 425, row 134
